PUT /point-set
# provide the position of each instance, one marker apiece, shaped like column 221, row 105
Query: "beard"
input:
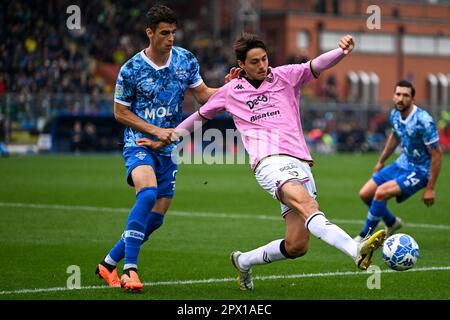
column 402, row 107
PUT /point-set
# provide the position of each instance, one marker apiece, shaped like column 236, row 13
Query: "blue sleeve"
column 195, row 79
column 392, row 120
column 124, row 91
column 430, row 135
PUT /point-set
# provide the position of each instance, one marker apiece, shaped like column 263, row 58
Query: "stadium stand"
column 51, row 76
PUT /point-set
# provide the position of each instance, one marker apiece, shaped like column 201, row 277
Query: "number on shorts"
column 413, row 180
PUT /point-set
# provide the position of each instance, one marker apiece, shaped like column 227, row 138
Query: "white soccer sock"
column 262, row 255
column 323, row 229
column 110, row 261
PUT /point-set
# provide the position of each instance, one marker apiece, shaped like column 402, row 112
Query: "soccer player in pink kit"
column 264, row 104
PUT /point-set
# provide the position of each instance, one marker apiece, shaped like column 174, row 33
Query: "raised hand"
column 347, row 44
column 233, row 74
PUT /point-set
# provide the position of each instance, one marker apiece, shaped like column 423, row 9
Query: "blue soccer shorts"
column 165, row 169
column 409, row 181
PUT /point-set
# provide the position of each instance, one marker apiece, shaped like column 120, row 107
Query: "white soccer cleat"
column 366, row 248
column 398, row 224
column 244, row 278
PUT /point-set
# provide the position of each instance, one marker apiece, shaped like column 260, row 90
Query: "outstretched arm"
column 191, row 123
column 331, row 58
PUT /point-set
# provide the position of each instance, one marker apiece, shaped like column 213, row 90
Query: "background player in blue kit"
column 417, row 167
column 148, row 100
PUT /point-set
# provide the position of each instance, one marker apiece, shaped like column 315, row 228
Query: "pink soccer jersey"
column 268, row 118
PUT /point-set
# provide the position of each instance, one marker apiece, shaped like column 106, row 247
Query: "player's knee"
column 296, row 249
column 366, row 198
column 363, row 195
column 381, row 194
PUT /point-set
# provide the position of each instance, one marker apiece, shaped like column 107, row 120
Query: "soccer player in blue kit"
column 416, row 168
column 148, row 100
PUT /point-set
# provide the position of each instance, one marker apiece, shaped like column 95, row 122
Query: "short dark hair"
column 160, row 13
column 407, row 84
column 245, row 43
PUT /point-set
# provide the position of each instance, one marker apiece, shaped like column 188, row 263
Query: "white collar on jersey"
column 151, row 63
column 410, row 115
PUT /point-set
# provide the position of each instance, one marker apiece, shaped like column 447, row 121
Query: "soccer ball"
column 400, row 252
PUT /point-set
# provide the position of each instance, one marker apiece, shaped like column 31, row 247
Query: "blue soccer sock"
column 388, row 217
column 154, row 221
column 377, row 211
column 381, row 210
column 136, row 225
column 117, row 253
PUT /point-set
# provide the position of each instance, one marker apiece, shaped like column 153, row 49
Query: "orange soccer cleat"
column 130, row 281
column 110, row 277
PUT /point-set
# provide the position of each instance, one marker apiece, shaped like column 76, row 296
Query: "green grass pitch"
column 60, row 211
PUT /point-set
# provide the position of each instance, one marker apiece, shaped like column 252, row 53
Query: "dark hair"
column 245, row 43
column 160, row 13
column 407, row 84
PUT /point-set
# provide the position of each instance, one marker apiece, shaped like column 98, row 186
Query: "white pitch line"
column 219, row 280
column 195, row 214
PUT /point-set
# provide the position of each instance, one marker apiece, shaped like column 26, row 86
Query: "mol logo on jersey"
column 160, row 112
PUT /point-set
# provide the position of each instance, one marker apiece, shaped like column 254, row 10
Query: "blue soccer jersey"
column 417, row 133
column 155, row 93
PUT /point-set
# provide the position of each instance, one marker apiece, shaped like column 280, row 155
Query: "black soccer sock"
column 127, row 271
column 108, row 266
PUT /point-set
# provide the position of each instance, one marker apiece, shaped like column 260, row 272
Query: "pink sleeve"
column 189, row 123
column 214, row 106
column 216, row 103
column 296, row 74
column 327, row 60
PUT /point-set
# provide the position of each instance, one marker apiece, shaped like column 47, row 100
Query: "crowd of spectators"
column 53, row 70
column 39, row 54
